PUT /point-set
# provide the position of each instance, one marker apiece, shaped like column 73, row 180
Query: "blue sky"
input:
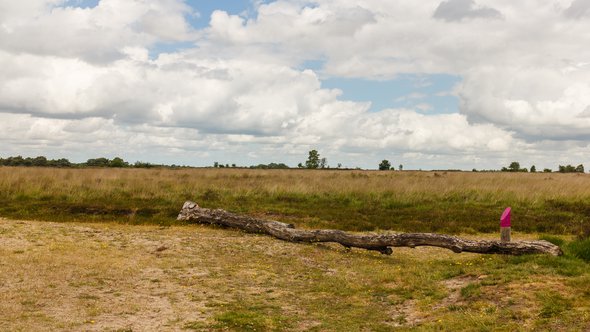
column 81, row 3
column 206, row 7
column 405, row 91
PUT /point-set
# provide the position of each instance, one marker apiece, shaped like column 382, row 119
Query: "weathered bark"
column 191, row 212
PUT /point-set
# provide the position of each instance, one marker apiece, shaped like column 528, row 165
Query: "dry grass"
column 112, row 277
column 350, row 200
column 147, row 183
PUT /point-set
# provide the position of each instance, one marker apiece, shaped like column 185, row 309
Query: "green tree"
column 401, row 167
column 385, row 165
column 98, row 162
column 324, row 163
column 533, row 169
column 118, row 162
column 580, row 168
column 569, row 168
column 313, row 161
column 40, row 161
column 514, row 166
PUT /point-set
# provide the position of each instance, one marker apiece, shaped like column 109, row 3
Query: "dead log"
column 191, row 212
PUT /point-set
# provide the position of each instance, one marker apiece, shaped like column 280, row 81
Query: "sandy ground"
column 104, row 277
column 113, row 277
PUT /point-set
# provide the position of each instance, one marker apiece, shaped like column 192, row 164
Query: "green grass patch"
column 241, row 316
column 553, row 304
column 472, row 290
column 580, row 249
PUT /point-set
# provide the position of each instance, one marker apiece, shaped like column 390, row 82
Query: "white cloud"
column 100, row 33
column 457, row 10
column 83, row 79
column 578, row 9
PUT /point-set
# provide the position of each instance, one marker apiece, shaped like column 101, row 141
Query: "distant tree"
column 570, row 169
column 339, row 165
column 401, row 167
column 547, row 170
column 141, row 164
column 277, row 166
column 14, row 161
column 233, row 165
column 63, row 162
column 300, row 165
column 385, row 165
column 324, row 163
column 474, row 170
column 98, row 162
column 514, row 166
column 39, row 161
column 533, row 169
column 216, row 164
column 313, row 161
column 118, row 162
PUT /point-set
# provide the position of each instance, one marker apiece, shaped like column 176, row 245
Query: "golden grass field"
column 99, row 250
column 451, row 202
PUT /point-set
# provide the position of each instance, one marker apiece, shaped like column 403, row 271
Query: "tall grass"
column 351, row 200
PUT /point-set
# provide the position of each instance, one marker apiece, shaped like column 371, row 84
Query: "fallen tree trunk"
column 191, row 212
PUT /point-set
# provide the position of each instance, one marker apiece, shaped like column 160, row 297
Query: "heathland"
column 109, row 248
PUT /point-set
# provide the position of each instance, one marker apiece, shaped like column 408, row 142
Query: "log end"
column 185, row 211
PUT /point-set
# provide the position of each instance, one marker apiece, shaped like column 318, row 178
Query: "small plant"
column 471, row 290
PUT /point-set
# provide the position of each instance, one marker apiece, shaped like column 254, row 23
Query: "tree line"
column 314, row 161
column 515, row 167
column 42, row 161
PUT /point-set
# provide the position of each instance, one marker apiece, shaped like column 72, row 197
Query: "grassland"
column 349, row 200
column 109, row 255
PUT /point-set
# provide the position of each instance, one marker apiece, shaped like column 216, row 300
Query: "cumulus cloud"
column 75, row 78
column 48, row 28
column 457, row 10
column 578, row 9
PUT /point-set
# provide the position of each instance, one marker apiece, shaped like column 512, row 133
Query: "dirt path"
column 101, row 277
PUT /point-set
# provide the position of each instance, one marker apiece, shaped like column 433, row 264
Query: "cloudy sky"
column 430, row 84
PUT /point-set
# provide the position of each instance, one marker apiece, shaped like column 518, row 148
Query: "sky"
column 430, row 84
